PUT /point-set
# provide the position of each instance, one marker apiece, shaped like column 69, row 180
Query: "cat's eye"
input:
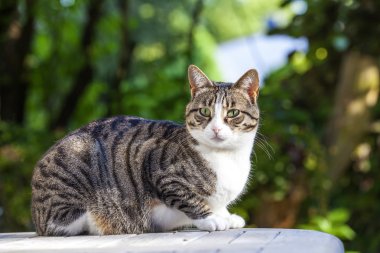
column 232, row 113
column 205, row 112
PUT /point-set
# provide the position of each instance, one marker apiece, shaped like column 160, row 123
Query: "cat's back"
column 113, row 129
column 100, row 141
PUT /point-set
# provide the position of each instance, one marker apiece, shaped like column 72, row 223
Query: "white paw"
column 212, row 223
column 236, row 221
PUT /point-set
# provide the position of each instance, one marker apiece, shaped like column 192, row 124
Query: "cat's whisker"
column 262, row 147
column 263, row 144
column 254, row 155
column 263, row 138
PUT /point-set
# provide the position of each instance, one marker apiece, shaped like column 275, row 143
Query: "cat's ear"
column 198, row 79
column 250, row 83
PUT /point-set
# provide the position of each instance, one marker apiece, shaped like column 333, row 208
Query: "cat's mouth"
column 217, row 139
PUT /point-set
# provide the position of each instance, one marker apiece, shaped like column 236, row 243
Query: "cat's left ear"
column 198, row 79
column 250, row 83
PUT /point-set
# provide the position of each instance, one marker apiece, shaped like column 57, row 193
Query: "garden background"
column 317, row 158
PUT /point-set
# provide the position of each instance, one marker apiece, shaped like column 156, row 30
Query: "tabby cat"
column 132, row 175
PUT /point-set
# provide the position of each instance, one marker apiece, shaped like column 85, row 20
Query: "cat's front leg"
column 235, row 221
column 179, row 195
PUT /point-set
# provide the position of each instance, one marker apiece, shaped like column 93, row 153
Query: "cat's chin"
column 218, row 143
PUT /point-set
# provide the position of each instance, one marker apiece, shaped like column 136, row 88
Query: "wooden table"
column 252, row 240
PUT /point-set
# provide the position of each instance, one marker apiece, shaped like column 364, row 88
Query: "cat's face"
column 222, row 115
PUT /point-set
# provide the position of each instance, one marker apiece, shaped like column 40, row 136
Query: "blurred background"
column 317, row 157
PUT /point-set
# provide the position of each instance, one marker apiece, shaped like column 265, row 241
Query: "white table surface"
column 252, row 240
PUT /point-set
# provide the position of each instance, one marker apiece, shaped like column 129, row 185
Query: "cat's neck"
column 231, row 166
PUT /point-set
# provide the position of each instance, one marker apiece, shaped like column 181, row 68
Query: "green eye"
column 205, row 112
column 233, row 113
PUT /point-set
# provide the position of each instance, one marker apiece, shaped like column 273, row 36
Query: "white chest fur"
column 232, row 171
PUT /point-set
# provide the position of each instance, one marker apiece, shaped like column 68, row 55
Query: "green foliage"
column 335, row 223
column 19, row 151
column 233, row 19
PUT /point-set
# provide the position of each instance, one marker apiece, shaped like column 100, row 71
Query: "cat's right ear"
column 250, row 83
column 198, row 79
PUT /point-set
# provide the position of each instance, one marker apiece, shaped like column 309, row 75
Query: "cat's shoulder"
column 111, row 123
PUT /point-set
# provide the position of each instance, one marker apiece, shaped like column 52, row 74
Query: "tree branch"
column 126, row 49
column 85, row 74
column 357, row 92
column 15, row 42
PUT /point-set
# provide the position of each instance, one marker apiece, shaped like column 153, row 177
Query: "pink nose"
column 216, row 130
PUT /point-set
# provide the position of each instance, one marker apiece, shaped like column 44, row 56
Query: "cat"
column 132, row 175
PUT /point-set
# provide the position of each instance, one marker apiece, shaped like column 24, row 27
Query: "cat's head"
column 223, row 115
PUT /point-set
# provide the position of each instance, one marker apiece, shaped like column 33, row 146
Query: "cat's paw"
column 236, row 221
column 212, row 223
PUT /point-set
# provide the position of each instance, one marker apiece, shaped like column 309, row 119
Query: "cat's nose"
column 216, row 130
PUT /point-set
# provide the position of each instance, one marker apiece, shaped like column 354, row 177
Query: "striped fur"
column 131, row 175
